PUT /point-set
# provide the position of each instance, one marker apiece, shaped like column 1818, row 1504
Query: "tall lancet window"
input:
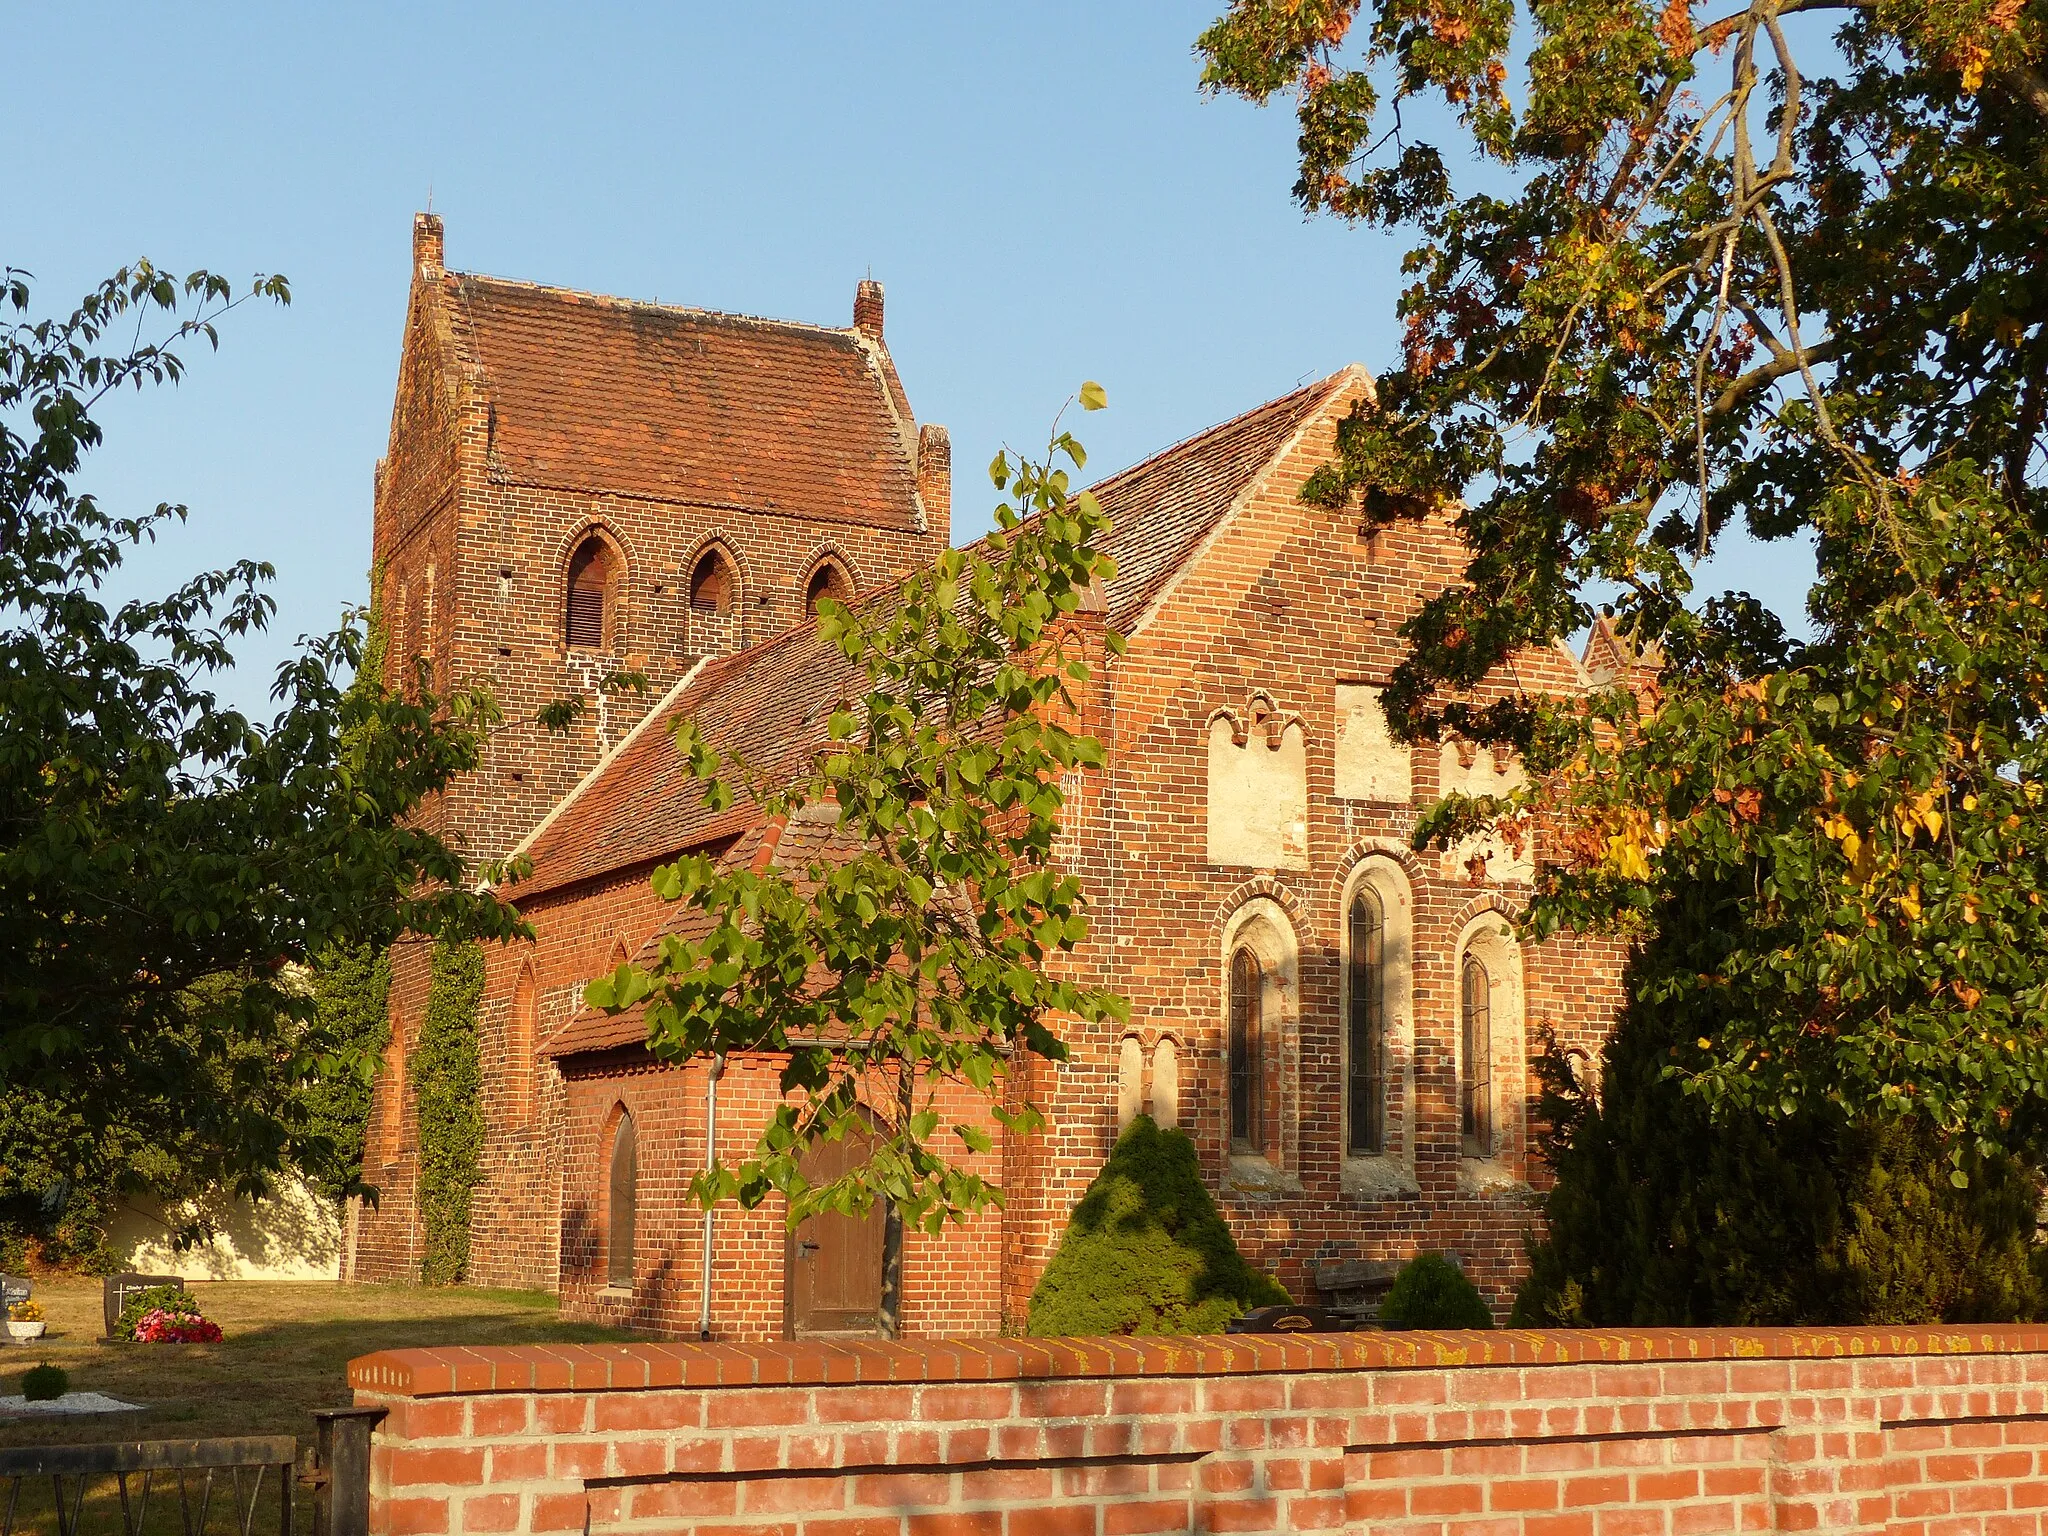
column 1366, row 1054
column 1476, row 1065
column 623, row 1206
column 590, row 582
column 1245, row 1047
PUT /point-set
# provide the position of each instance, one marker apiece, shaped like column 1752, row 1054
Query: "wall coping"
column 484, row 1369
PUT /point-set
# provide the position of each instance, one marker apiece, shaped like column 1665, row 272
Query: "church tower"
column 580, row 487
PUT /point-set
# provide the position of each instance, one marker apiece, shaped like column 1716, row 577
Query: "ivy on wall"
column 351, row 986
column 447, row 1076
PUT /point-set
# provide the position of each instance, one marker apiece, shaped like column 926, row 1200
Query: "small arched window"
column 586, row 620
column 1475, row 1073
column 827, row 581
column 712, row 587
column 416, row 642
column 1247, row 1090
column 622, row 1206
column 519, row 1044
column 1365, row 1067
column 1130, row 1081
column 1166, row 1084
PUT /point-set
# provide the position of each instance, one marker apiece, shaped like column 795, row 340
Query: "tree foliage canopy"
column 1771, row 266
column 163, row 857
column 925, row 949
column 1665, row 1215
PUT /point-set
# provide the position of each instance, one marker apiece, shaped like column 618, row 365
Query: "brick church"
column 577, row 485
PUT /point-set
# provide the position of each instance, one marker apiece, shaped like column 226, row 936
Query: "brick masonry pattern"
column 1593, row 1433
column 1230, row 588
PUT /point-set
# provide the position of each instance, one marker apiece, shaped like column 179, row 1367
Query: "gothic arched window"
column 1366, row 1056
column 586, row 623
column 1475, row 1065
column 623, row 1204
column 1247, row 1090
column 827, row 581
column 712, row 585
column 519, row 1044
column 394, row 1090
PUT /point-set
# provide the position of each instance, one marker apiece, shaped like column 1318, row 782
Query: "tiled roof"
column 587, row 1029
column 684, row 405
column 769, row 705
column 805, row 839
column 766, row 706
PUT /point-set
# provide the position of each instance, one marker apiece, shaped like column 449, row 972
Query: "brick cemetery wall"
column 1588, row 1433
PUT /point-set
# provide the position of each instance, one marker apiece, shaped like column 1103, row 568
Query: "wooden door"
column 836, row 1264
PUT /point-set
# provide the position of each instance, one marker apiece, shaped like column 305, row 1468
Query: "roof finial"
column 427, row 244
column 867, row 308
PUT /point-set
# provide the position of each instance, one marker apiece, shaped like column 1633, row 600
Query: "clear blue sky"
column 1041, row 187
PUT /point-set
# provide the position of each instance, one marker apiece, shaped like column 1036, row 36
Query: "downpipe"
column 710, row 1156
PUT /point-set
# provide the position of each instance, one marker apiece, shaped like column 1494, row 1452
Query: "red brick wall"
column 948, row 1284
column 516, row 1212
column 482, row 560
column 1288, row 600
column 1908, row 1432
column 497, row 552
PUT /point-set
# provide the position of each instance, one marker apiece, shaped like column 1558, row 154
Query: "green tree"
column 1665, row 1214
column 163, row 859
column 68, row 1166
column 1775, row 268
column 1146, row 1251
column 922, row 948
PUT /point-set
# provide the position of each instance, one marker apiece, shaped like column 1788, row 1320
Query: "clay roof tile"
column 597, row 394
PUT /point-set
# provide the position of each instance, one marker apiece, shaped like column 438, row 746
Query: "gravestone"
column 14, row 1288
column 116, row 1289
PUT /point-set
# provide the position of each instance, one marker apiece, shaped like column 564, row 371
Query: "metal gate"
column 227, row 1487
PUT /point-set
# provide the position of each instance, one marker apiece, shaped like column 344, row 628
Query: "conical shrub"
column 1147, row 1252
column 1432, row 1292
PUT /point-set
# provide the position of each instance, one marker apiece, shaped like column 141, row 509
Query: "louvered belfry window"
column 1245, row 1047
column 589, row 586
column 1367, row 1052
column 711, row 584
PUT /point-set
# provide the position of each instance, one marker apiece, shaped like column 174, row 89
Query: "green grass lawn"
column 286, row 1352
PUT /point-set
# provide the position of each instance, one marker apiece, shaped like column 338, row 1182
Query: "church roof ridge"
column 1174, row 450
column 845, row 333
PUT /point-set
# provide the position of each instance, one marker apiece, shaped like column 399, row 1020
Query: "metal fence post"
column 341, row 1462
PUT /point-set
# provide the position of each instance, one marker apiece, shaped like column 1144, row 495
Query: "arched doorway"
column 842, row 1271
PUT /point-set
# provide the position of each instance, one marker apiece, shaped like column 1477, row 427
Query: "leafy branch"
column 903, row 926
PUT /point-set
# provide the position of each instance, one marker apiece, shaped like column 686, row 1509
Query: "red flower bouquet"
column 166, row 1327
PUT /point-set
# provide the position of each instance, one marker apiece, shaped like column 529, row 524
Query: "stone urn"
column 21, row 1333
